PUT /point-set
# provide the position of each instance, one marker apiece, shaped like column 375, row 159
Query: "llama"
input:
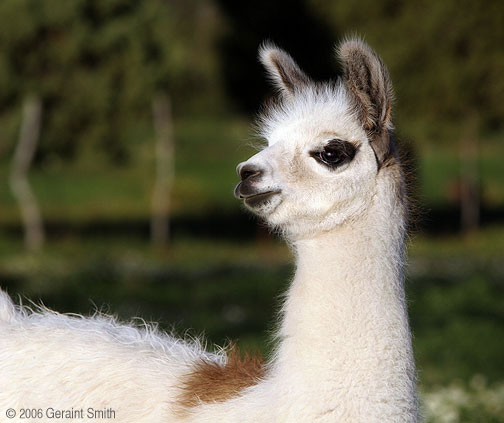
column 330, row 182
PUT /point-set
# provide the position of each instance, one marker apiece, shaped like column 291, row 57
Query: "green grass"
column 207, row 153
column 226, row 290
column 458, row 326
column 487, row 244
column 439, row 174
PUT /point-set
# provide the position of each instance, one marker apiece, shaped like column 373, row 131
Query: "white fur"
column 344, row 348
column 68, row 361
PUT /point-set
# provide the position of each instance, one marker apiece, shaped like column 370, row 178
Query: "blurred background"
column 122, row 121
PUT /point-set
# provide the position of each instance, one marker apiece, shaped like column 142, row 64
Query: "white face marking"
column 311, row 196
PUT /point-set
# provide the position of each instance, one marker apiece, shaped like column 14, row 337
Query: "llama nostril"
column 249, row 171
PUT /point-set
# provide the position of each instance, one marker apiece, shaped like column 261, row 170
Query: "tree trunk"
column 165, row 169
column 18, row 178
column 469, row 184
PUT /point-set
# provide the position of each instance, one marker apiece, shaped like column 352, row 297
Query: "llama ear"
column 369, row 88
column 283, row 70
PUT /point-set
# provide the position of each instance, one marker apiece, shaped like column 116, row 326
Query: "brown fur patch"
column 385, row 149
column 211, row 382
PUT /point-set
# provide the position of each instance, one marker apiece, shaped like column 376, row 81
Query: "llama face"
column 320, row 167
column 317, row 171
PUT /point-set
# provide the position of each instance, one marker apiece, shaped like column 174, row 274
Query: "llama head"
column 327, row 143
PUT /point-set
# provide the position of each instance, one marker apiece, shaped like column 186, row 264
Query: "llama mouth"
column 258, row 199
column 253, row 200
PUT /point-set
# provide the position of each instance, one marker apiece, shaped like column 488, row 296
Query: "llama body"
column 330, row 182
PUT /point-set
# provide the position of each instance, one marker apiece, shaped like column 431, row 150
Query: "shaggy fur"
column 344, row 349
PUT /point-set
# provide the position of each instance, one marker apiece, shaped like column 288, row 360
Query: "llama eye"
column 330, row 156
column 335, row 153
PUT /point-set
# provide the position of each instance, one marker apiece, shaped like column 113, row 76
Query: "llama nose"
column 248, row 171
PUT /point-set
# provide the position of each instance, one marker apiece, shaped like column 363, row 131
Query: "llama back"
column 54, row 361
column 7, row 308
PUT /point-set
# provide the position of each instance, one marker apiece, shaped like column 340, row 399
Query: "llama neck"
column 345, row 330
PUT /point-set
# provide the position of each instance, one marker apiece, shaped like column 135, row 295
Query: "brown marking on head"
column 408, row 163
column 212, row 382
column 385, row 149
column 401, row 164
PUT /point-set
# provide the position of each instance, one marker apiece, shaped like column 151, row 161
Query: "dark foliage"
column 288, row 23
